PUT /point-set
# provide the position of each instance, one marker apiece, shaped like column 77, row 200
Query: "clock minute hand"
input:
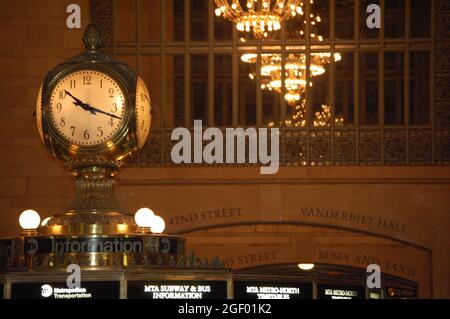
column 87, row 107
column 79, row 102
column 96, row 110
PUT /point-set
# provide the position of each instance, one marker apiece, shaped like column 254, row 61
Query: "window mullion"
column 187, row 64
column 258, row 87
column 210, row 63
column 381, row 118
column 235, row 79
column 331, row 77
column 356, row 79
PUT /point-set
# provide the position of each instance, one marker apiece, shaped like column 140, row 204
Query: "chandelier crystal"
column 295, row 71
column 322, row 118
column 259, row 16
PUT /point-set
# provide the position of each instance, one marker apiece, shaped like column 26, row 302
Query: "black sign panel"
column 168, row 246
column 35, row 245
column 81, row 245
column 6, row 248
column 52, row 290
column 272, row 290
column 341, row 292
column 177, row 290
column 1, row 290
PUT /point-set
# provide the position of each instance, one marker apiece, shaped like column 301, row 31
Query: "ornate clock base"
column 56, row 252
column 95, row 209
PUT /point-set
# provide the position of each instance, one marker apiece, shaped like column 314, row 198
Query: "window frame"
column 235, row 48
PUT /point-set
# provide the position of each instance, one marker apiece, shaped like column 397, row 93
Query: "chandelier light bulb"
column 294, row 70
column 264, row 18
column 259, row 16
column 29, row 220
column 143, row 217
column 157, row 225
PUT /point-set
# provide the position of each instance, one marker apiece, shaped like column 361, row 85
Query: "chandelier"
column 259, row 16
column 295, row 81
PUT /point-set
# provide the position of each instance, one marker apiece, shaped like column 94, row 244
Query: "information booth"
column 191, row 284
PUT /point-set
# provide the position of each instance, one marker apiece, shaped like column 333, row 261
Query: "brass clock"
column 93, row 107
column 92, row 113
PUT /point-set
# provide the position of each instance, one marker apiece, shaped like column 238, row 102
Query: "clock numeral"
column 62, row 94
column 59, row 107
column 144, row 97
column 142, row 124
column 73, row 130
column 111, row 122
column 100, row 132
column 63, row 122
column 73, row 84
column 87, row 80
column 114, row 109
column 111, row 92
column 101, row 83
column 86, row 135
column 142, row 107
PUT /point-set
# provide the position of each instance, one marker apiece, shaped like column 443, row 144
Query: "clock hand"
column 89, row 108
column 78, row 102
column 95, row 110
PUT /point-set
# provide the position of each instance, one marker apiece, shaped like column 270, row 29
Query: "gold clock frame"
column 118, row 147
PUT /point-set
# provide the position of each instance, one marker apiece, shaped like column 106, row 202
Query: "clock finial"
column 93, row 39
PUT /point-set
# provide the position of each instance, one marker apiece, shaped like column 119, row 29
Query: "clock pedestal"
column 95, row 209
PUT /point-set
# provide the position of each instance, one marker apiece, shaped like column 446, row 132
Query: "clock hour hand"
column 77, row 102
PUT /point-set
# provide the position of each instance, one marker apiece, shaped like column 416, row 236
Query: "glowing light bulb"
column 157, row 225
column 29, row 219
column 306, row 266
column 143, row 217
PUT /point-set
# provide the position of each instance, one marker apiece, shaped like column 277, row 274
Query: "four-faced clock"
column 93, row 110
column 93, row 113
column 87, row 107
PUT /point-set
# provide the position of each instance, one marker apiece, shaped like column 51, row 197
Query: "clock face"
column 39, row 114
column 143, row 112
column 87, row 107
